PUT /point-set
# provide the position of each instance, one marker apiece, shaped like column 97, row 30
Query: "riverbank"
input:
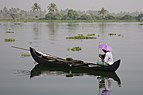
column 37, row 20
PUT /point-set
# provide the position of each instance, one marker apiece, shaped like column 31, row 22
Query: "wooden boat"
column 49, row 60
column 42, row 69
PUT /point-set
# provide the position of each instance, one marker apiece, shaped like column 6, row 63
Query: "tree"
column 139, row 17
column 36, row 7
column 53, row 13
column 127, row 17
column 72, row 15
column 103, row 12
column 86, row 17
column 110, row 17
column 52, row 8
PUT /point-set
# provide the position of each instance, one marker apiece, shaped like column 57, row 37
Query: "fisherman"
column 106, row 58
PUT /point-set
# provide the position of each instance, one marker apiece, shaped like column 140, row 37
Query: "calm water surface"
column 15, row 70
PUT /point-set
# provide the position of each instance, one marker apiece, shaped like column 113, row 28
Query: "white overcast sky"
column 110, row 5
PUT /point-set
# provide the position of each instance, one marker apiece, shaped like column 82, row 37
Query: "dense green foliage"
column 52, row 13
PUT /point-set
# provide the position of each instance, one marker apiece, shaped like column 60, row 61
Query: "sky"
column 110, row 5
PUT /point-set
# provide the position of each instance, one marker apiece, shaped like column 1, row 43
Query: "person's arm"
column 106, row 58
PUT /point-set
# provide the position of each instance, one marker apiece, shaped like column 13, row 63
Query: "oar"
column 98, row 52
column 20, row 48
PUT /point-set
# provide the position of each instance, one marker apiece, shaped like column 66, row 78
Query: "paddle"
column 41, row 52
column 20, row 48
column 98, row 53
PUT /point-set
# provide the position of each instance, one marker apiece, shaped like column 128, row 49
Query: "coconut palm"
column 103, row 12
column 52, row 8
column 36, row 7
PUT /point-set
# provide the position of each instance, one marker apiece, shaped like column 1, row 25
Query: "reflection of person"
column 106, row 58
column 105, row 86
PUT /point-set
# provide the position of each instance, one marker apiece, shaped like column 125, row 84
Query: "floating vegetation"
column 81, row 36
column 75, row 49
column 114, row 34
column 9, row 40
column 25, row 54
column 141, row 24
column 90, row 34
column 9, row 32
column 111, row 34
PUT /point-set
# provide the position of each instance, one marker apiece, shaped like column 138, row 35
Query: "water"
column 15, row 69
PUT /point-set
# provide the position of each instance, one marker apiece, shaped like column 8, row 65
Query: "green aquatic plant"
column 9, row 40
column 25, row 54
column 75, row 49
column 9, row 32
column 81, row 36
column 90, row 34
column 111, row 34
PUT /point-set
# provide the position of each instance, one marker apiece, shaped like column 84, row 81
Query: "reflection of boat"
column 49, row 60
column 40, row 69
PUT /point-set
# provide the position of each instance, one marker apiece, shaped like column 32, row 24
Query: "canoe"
column 42, row 69
column 49, row 60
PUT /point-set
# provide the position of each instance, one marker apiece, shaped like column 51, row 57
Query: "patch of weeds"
column 75, row 49
column 9, row 40
column 90, row 34
column 25, row 54
column 81, row 36
column 111, row 34
column 9, row 32
column 114, row 34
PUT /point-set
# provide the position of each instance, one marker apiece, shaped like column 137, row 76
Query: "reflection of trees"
column 36, row 30
column 102, row 27
column 36, row 27
column 53, row 27
column 52, row 30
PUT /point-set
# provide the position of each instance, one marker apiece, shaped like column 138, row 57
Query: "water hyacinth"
column 75, row 49
column 9, row 32
column 81, row 36
column 25, row 54
column 114, row 34
column 9, row 40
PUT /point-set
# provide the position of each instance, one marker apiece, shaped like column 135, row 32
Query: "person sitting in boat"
column 106, row 58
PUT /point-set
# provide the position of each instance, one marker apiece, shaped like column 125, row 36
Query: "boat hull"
column 42, row 58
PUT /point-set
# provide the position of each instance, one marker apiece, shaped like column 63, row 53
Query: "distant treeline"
column 53, row 13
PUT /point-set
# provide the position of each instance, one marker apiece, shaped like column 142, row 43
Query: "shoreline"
column 37, row 20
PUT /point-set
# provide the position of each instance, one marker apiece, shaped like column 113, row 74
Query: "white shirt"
column 108, row 58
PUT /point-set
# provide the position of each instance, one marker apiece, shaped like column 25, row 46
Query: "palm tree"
column 103, row 12
column 36, row 7
column 52, row 8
